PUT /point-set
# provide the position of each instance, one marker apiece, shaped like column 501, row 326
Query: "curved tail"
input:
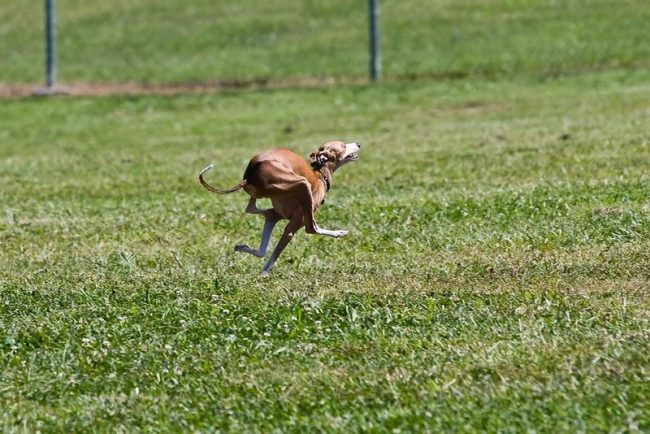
column 216, row 190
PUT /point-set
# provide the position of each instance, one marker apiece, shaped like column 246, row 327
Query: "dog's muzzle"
column 352, row 151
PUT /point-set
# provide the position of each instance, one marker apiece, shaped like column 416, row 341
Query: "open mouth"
column 352, row 157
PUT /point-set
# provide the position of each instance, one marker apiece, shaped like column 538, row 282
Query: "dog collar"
column 326, row 181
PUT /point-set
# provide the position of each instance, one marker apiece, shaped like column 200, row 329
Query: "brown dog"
column 295, row 189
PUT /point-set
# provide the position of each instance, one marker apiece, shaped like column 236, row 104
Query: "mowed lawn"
column 495, row 276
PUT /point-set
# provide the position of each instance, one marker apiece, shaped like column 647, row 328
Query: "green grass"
column 495, row 276
column 496, row 273
column 207, row 40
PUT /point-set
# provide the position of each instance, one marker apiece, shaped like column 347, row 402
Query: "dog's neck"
column 326, row 177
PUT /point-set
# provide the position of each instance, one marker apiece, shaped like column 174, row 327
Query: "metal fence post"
column 50, row 53
column 375, row 62
column 50, row 48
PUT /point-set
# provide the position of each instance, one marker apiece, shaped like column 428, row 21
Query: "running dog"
column 295, row 188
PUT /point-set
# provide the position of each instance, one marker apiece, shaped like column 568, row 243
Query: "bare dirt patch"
column 21, row 90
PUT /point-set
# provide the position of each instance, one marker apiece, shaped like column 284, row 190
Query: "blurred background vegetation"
column 199, row 41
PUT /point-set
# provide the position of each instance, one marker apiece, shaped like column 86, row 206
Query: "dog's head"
column 334, row 155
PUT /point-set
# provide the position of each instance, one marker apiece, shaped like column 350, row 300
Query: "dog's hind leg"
column 290, row 230
column 252, row 208
column 270, row 219
column 266, row 236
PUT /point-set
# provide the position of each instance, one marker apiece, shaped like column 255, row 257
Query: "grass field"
column 208, row 40
column 495, row 277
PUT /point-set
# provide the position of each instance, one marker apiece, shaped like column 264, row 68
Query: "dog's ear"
column 313, row 160
column 325, row 156
column 318, row 160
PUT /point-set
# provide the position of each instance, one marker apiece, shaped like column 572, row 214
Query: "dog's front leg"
column 330, row 233
column 290, row 230
column 307, row 204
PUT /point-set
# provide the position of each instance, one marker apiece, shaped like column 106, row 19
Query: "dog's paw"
column 242, row 248
column 340, row 233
